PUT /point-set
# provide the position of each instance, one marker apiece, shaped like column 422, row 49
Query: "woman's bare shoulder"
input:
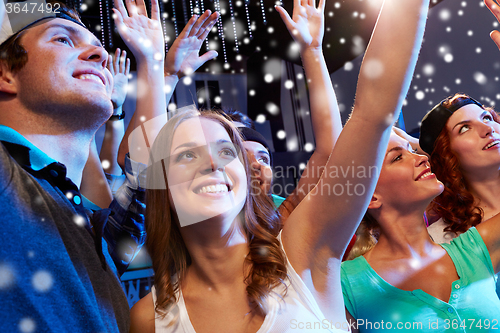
column 142, row 316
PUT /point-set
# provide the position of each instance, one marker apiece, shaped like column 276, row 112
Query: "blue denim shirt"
column 58, row 274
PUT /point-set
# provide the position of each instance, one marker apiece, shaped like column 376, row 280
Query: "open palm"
column 142, row 35
column 119, row 66
column 183, row 57
column 306, row 24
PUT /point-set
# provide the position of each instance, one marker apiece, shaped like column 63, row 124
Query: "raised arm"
column 307, row 29
column 94, row 185
column 144, row 37
column 182, row 59
column 319, row 229
column 119, row 66
column 490, row 229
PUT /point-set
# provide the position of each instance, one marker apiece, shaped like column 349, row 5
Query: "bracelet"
column 116, row 117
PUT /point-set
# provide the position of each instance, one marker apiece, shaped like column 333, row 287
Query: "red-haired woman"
column 462, row 138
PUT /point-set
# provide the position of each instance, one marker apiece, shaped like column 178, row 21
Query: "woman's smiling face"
column 205, row 174
column 406, row 178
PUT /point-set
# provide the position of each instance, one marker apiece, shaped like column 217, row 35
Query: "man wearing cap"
column 56, row 271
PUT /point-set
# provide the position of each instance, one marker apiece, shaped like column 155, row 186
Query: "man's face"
column 66, row 75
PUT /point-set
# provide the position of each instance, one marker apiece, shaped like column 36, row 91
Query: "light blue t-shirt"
column 473, row 305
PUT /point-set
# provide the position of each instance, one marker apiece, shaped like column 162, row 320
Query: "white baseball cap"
column 18, row 16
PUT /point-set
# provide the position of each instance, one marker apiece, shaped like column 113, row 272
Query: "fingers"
column 137, row 7
column 495, row 10
column 123, row 60
column 208, row 25
column 187, row 29
column 290, row 25
column 119, row 63
column 141, row 7
column 296, row 4
column 116, row 63
column 207, row 56
column 155, row 10
column 109, row 65
column 127, row 67
column 495, row 36
column 199, row 22
column 131, row 8
column 122, row 29
column 200, row 61
column 119, row 10
column 493, row 7
column 321, row 5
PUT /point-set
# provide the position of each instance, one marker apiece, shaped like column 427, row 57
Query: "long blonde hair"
column 266, row 260
column 366, row 237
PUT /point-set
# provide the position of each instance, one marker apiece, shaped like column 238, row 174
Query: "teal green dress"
column 473, row 305
column 277, row 200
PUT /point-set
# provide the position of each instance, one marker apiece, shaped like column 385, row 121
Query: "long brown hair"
column 266, row 260
column 456, row 205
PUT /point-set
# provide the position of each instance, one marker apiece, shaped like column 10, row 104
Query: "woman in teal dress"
column 407, row 281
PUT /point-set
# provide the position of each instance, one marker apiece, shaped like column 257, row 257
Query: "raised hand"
column 119, row 68
column 142, row 35
column 495, row 10
column 307, row 29
column 183, row 57
column 306, row 24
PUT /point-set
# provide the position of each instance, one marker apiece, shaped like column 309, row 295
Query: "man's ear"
column 375, row 202
column 7, row 80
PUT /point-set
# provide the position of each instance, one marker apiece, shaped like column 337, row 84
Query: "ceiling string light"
column 248, row 19
column 101, row 16
column 233, row 21
column 220, row 29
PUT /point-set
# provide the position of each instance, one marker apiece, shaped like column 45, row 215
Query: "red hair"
column 456, row 205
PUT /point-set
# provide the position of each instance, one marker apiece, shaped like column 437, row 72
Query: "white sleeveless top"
column 436, row 230
column 298, row 311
